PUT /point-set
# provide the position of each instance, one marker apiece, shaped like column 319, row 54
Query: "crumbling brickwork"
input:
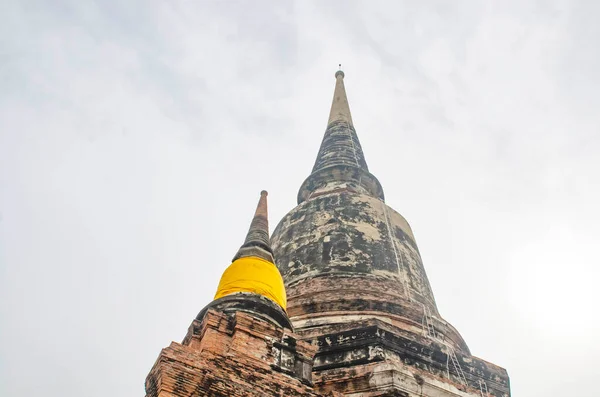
column 233, row 355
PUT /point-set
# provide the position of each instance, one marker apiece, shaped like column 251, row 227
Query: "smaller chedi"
column 242, row 343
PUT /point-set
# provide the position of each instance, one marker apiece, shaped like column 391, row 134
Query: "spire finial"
column 339, row 72
column 257, row 241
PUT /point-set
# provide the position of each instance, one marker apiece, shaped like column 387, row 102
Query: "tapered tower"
column 357, row 288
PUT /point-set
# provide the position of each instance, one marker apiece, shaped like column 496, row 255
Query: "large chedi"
column 343, row 249
column 357, row 288
column 347, row 312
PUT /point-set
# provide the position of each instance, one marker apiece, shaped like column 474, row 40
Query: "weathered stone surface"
column 348, row 251
column 366, row 343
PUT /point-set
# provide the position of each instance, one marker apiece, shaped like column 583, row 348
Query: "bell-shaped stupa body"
column 352, row 268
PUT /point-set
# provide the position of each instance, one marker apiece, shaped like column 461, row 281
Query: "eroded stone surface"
column 343, row 232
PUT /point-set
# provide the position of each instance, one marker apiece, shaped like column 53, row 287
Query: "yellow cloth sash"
column 253, row 274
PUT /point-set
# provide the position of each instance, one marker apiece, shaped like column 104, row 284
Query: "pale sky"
column 135, row 137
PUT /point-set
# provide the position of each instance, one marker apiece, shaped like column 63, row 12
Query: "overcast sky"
column 135, row 137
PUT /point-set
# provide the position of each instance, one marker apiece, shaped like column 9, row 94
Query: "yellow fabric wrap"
column 253, row 274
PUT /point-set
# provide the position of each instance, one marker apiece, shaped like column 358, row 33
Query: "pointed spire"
column 257, row 241
column 340, row 144
column 340, row 110
column 340, row 160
